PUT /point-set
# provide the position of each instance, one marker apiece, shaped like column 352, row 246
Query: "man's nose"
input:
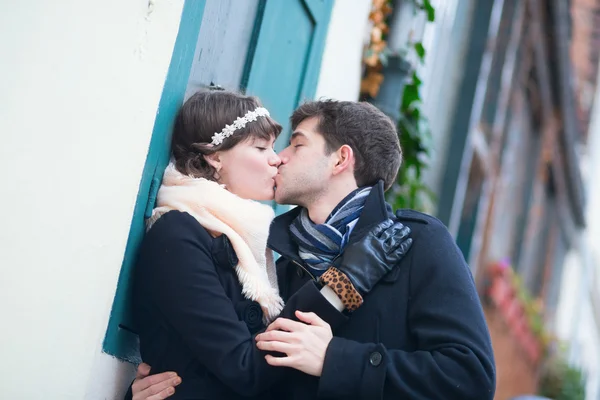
column 283, row 157
column 275, row 160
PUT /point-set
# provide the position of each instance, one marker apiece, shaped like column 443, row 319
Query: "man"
column 420, row 332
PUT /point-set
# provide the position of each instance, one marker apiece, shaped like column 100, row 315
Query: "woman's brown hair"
column 206, row 113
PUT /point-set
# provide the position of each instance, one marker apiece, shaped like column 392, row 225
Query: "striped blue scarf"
column 319, row 244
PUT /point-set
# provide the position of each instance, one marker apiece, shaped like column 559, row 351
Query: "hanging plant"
column 409, row 191
column 427, row 7
column 377, row 50
column 561, row 381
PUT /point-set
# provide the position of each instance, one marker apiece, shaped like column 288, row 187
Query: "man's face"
column 305, row 169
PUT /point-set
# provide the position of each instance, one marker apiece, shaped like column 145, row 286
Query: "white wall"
column 81, row 81
column 446, row 42
column 586, row 345
column 341, row 67
column 577, row 320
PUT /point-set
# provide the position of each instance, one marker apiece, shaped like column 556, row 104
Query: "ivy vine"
column 409, row 190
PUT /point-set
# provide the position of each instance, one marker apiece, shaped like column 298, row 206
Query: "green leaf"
column 410, row 95
column 416, row 80
column 429, row 9
column 409, row 190
column 409, row 127
column 420, row 49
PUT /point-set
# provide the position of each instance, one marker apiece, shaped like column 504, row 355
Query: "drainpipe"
column 398, row 68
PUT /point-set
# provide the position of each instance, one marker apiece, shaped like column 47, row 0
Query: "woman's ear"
column 214, row 160
column 344, row 159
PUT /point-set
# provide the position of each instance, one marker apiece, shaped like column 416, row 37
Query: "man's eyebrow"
column 297, row 134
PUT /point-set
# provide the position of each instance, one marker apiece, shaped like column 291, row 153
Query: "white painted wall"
column 578, row 322
column 81, row 82
column 341, row 67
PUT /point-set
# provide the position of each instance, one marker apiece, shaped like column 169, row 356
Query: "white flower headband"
column 239, row 123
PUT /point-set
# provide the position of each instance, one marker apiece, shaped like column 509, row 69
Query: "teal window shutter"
column 284, row 67
column 119, row 340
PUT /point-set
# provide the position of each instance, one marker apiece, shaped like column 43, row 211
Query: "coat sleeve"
column 310, row 299
column 185, row 288
column 453, row 358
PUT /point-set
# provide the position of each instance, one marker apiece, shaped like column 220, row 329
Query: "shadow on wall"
column 109, row 376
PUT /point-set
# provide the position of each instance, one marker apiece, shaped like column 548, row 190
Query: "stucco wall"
column 81, row 81
column 578, row 316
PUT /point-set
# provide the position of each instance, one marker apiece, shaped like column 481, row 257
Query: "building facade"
column 92, row 89
column 511, row 138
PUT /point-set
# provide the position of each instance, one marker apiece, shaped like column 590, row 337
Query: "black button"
column 375, row 358
column 300, row 272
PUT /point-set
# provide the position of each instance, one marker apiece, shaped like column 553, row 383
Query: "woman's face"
column 248, row 169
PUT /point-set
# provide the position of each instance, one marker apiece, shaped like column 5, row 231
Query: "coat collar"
column 375, row 211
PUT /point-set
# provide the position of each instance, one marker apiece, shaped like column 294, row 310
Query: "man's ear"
column 214, row 160
column 344, row 159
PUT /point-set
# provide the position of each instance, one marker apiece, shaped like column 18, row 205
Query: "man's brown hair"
column 368, row 131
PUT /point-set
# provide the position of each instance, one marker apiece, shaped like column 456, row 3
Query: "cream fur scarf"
column 245, row 222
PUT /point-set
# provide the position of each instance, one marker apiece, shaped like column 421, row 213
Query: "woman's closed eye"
column 263, row 148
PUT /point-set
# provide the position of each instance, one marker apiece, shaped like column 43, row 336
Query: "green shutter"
column 287, row 58
column 284, row 69
column 118, row 340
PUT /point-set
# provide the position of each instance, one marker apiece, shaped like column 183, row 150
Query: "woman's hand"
column 153, row 387
column 304, row 343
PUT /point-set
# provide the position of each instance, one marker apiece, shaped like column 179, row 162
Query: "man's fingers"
column 382, row 227
column 281, row 347
column 279, row 336
column 405, row 231
column 402, row 246
column 398, row 230
column 386, row 234
column 141, row 384
column 143, row 370
column 284, row 324
column 279, row 361
column 398, row 240
column 311, row 318
column 159, row 390
column 272, row 326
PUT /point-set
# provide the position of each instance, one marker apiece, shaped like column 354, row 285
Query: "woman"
column 205, row 282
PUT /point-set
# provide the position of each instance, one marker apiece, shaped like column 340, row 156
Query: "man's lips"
column 275, row 180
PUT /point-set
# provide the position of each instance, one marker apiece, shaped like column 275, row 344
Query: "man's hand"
column 303, row 343
column 153, row 387
column 368, row 260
